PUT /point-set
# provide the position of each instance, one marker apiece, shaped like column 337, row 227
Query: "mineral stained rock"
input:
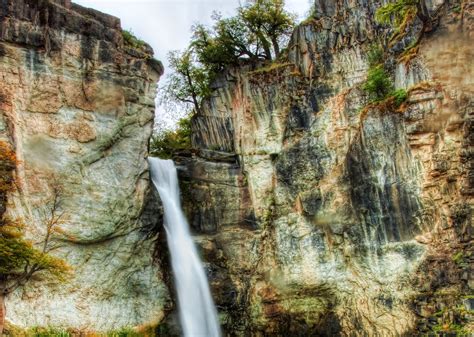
column 77, row 105
column 330, row 216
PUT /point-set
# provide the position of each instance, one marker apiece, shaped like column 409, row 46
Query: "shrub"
column 130, row 39
column 170, row 142
column 378, row 84
column 399, row 96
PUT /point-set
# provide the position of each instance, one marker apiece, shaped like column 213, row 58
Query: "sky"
column 166, row 25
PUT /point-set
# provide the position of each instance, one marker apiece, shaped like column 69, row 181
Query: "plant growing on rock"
column 170, row 142
column 253, row 35
column 130, row 39
column 189, row 82
column 21, row 259
column 378, row 84
column 402, row 13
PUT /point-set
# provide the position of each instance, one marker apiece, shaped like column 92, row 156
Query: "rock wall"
column 77, row 105
column 319, row 214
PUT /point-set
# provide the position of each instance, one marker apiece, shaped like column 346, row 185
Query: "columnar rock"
column 77, row 105
column 324, row 215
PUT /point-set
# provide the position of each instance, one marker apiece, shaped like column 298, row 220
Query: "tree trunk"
column 276, row 47
column 265, row 44
column 3, row 312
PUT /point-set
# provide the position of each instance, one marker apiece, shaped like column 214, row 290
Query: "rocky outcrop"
column 77, row 105
column 322, row 215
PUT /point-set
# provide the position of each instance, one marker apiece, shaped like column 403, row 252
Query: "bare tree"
column 21, row 259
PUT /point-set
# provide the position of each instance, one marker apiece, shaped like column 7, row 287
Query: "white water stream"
column 197, row 312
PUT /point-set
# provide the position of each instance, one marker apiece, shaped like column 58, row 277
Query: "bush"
column 378, row 84
column 399, row 96
column 169, row 143
column 130, row 39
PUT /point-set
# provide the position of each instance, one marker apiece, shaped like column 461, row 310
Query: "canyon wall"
column 77, row 106
column 321, row 214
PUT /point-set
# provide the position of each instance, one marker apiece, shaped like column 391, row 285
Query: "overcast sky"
column 166, row 24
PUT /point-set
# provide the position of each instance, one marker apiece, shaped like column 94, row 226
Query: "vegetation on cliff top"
column 254, row 34
column 131, row 40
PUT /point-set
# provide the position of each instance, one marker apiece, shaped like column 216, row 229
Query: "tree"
column 270, row 23
column 170, row 142
column 378, row 84
column 21, row 259
column 188, row 83
column 254, row 34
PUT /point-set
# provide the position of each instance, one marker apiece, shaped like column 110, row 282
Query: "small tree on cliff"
column 21, row 259
column 269, row 22
column 188, row 83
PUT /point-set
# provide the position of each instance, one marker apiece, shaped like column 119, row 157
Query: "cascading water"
column 197, row 311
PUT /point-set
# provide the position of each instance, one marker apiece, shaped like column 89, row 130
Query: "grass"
column 48, row 332
column 458, row 258
column 131, row 40
column 270, row 68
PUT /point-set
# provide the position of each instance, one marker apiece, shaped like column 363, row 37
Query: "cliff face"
column 77, row 105
column 322, row 216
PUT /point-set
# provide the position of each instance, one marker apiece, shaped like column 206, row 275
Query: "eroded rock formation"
column 322, row 216
column 77, row 105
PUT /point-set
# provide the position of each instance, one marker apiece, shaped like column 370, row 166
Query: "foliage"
column 254, row 34
column 19, row 258
column 130, row 39
column 269, row 22
column 48, row 332
column 378, row 84
column 395, row 13
column 458, row 257
column 189, row 82
column 402, row 13
column 399, row 96
column 168, row 143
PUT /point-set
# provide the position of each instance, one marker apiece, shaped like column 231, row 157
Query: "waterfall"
column 197, row 312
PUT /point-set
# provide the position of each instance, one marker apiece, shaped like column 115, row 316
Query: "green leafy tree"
column 21, row 259
column 188, row 84
column 378, row 84
column 269, row 22
column 170, row 142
